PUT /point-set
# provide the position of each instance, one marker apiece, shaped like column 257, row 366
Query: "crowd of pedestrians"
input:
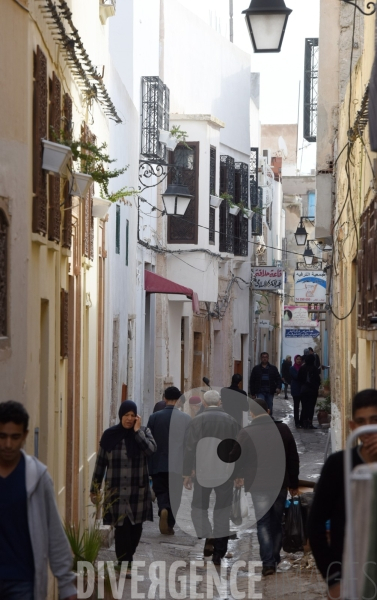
column 227, row 442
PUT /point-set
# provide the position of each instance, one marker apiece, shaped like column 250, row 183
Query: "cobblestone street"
column 302, row 581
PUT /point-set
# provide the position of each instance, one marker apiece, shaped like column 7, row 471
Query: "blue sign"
column 299, row 333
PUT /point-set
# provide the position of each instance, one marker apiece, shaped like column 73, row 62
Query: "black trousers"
column 127, row 538
column 221, row 515
column 308, row 400
column 168, row 489
column 296, row 409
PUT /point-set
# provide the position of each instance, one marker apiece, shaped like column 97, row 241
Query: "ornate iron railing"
column 311, row 89
column 155, row 116
column 256, row 222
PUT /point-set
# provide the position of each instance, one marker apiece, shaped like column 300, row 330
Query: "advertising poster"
column 297, row 316
column 267, row 278
column 310, row 286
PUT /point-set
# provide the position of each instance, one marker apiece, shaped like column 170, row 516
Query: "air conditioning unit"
column 267, row 154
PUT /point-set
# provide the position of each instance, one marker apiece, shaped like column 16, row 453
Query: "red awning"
column 155, row 284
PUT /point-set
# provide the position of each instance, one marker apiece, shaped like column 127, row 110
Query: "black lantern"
column 308, row 255
column 176, row 199
column 266, row 21
column 301, row 235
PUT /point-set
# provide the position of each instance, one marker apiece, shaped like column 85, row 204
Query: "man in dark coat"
column 206, row 457
column 168, row 427
column 235, row 402
column 248, row 467
column 286, row 375
column 265, row 381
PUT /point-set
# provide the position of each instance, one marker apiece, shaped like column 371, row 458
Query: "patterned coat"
column 127, row 491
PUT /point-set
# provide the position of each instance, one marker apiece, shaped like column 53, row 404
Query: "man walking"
column 168, row 427
column 329, row 499
column 269, row 517
column 210, row 437
column 31, row 532
column 317, row 362
column 234, row 400
column 265, row 381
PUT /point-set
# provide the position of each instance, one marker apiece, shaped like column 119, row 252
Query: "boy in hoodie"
column 30, row 526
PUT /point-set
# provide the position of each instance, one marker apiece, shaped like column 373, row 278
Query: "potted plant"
column 163, row 136
column 324, row 411
column 234, row 209
column 215, row 201
column 100, row 207
column 56, row 157
column 326, row 386
column 81, row 183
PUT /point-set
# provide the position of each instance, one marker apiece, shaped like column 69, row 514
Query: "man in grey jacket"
column 31, row 532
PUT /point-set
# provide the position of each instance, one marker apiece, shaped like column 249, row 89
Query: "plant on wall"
column 93, row 160
column 180, row 135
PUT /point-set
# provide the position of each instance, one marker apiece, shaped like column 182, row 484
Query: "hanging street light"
column 301, row 235
column 176, row 199
column 266, row 21
column 308, row 255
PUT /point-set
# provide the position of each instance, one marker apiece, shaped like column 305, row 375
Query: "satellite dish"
column 283, row 147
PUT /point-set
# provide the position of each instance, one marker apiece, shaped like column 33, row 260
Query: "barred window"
column 256, row 222
column 117, row 230
column 212, row 191
column 227, row 186
column 3, row 274
column 184, row 230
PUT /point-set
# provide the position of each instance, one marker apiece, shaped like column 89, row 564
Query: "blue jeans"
column 269, row 398
column 269, row 528
column 16, row 590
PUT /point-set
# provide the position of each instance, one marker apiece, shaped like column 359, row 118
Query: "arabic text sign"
column 300, row 333
column 264, row 323
column 297, row 316
column 267, row 278
column 310, row 286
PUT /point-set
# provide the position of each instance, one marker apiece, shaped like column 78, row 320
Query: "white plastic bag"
column 244, row 504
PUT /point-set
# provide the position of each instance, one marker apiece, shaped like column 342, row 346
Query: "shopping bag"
column 235, row 513
column 293, row 532
column 244, row 505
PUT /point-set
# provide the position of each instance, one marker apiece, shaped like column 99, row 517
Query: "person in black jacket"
column 269, row 522
column 329, row 497
column 286, row 374
column 265, row 381
column 168, row 427
column 234, row 400
column 211, row 472
column 310, row 381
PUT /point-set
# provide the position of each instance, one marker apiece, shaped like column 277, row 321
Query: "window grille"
column 127, row 240
column 3, row 274
column 155, row 116
column 254, row 158
column 212, row 191
column 227, row 186
column 311, row 89
column 184, row 230
column 241, row 225
column 269, row 216
column 367, row 269
column 117, row 230
column 55, row 116
column 256, row 222
column 40, row 102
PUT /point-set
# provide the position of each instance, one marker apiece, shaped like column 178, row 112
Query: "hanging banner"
column 301, row 333
column 310, row 286
column 297, row 316
column 267, row 278
column 264, row 323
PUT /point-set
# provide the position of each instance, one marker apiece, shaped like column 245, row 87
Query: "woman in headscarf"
column 296, row 389
column 310, row 381
column 127, row 497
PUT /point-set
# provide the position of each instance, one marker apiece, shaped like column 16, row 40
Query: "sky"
column 281, row 73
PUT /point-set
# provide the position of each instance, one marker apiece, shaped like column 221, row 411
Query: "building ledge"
column 39, row 239
column 198, row 117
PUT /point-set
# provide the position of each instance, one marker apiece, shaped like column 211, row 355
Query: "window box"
column 215, row 201
column 81, row 184
column 100, row 207
column 55, row 158
column 247, row 213
column 163, row 136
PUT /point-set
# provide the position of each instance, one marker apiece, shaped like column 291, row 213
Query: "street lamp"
column 301, row 235
column 308, row 255
column 266, row 21
column 176, row 199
